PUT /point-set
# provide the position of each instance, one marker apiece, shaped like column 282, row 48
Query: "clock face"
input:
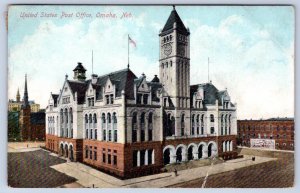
column 167, row 49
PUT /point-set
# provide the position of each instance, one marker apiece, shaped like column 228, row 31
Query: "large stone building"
column 279, row 129
column 129, row 126
column 16, row 105
column 25, row 125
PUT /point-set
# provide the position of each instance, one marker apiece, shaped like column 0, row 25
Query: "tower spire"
column 25, row 100
column 18, row 96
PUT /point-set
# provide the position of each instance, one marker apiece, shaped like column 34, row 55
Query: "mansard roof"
column 79, row 87
column 174, row 18
column 122, row 79
column 211, row 93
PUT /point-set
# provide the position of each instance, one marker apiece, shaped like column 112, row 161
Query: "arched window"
column 167, row 64
column 95, row 118
column 212, row 119
column 202, row 124
column 66, row 114
column 171, row 63
column 61, row 116
column 71, row 115
column 182, row 124
column 86, row 126
column 114, row 117
column 103, row 117
column 193, row 124
column 108, row 117
column 143, row 126
column 134, row 127
column 150, row 126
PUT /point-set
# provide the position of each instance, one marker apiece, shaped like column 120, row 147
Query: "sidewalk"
column 23, row 146
column 88, row 176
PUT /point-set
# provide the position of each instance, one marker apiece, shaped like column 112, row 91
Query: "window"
column 103, row 156
column 212, row 119
column 165, row 102
column 139, row 99
column 95, row 153
column 109, row 158
column 150, row 161
column 134, row 127
column 142, row 157
column 107, row 99
column 91, row 152
column 115, row 160
column 145, row 99
column 86, row 151
column 104, row 135
column 150, row 127
column 134, row 158
column 111, row 99
column 212, row 130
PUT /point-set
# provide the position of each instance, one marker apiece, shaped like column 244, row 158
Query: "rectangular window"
column 95, row 154
column 139, row 99
column 109, row 135
column 212, row 130
column 115, row 160
column 112, row 99
column 96, row 134
column 107, row 99
column 142, row 156
column 103, row 157
column 91, row 152
column 142, row 135
column 150, row 135
column 116, row 136
column 134, row 158
column 145, row 99
column 109, row 159
column 150, row 151
column 86, row 151
column 104, row 135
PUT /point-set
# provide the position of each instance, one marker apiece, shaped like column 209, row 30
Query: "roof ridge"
column 125, row 69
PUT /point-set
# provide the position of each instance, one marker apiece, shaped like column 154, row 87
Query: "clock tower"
column 174, row 60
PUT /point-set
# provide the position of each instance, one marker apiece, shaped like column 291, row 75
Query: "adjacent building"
column 130, row 126
column 16, row 105
column 279, row 129
column 27, row 122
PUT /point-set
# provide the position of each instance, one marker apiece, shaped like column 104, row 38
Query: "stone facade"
column 128, row 126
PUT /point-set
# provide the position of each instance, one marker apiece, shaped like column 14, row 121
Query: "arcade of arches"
column 66, row 150
column 193, row 151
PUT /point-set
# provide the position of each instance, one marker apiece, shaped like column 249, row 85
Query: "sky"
column 251, row 49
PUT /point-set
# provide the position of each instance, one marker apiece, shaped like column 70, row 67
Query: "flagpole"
column 128, row 50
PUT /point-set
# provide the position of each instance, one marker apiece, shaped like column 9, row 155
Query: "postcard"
column 152, row 96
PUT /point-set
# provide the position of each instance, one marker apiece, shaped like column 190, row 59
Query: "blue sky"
column 251, row 49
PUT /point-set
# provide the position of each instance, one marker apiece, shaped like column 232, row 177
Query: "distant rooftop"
column 270, row 119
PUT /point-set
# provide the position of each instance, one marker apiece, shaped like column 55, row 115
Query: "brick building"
column 31, row 124
column 129, row 126
column 279, row 129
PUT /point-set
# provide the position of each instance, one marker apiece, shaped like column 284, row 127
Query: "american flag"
column 131, row 41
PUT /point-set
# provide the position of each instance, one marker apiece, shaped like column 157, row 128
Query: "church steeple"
column 25, row 99
column 18, row 96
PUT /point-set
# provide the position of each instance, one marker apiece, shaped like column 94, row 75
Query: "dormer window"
column 91, row 101
column 112, row 99
column 145, row 99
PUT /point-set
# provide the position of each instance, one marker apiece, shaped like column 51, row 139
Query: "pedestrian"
column 175, row 172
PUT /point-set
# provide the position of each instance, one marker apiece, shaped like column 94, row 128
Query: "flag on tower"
column 131, row 41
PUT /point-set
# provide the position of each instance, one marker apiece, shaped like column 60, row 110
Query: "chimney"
column 94, row 78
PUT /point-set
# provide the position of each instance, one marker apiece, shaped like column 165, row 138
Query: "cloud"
column 245, row 57
column 53, row 50
column 247, row 60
